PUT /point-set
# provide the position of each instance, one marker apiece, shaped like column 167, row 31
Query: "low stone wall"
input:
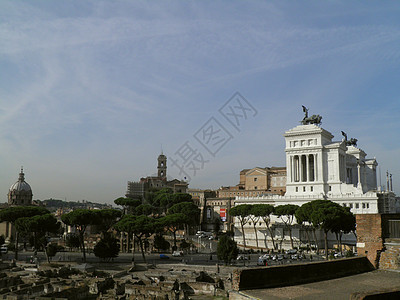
column 390, row 258
column 275, row 276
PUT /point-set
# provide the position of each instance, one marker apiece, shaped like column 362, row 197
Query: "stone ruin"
column 68, row 282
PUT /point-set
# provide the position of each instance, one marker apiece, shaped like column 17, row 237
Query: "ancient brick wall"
column 390, row 258
column 369, row 237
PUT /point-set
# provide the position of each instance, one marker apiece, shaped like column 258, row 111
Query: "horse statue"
column 314, row 119
column 352, row 142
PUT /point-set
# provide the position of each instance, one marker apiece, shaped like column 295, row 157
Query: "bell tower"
column 162, row 166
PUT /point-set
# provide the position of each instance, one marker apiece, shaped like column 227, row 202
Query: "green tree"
column 173, row 223
column 161, row 243
column 227, row 249
column 164, row 199
column 140, row 226
column 128, row 204
column 179, row 198
column 161, row 198
column 254, row 217
column 51, row 251
column 72, row 241
column 264, row 212
column 39, row 226
column 241, row 212
column 80, row 219
column 105, row 219
column 303, row 217
column 190, row 210
column 345, row 223
column 13, row 213
column 326, row 215
column 286, row 213
column 143, row 209
column 107, row 248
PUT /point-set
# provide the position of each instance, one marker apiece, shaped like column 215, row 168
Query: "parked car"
column 338, row 255
column 242, row 257
column 291, row 251
column 266, row 256
column 177, row 253
column 164, row 256
column 261, row 261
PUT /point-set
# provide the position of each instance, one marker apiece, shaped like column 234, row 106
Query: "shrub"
column 161, row 243
column 72, row 241
column 184, row 245
column 106, row 248
column 227, row 249
column 52, row 250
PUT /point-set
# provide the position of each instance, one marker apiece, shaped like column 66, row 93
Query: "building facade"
column 256, row 182
column 320, row 168
column 138, row 189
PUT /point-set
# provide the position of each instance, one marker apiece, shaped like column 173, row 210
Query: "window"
column 297, row 189
column 304, row 188
column 344, row 204
column 363, row 205
column 255, row 179
column 357, row 205
column 330, row 188
column 255, row 187
column 351, row 205
column 312, row 188
column 367, row 205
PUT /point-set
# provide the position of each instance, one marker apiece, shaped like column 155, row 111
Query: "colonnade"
column 303, row 168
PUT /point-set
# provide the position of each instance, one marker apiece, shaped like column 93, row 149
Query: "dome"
column 20, row 193
column 20, row 186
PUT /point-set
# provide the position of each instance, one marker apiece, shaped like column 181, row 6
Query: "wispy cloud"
column 98, row 81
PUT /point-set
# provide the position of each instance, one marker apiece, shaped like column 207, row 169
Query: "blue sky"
column 91, row 90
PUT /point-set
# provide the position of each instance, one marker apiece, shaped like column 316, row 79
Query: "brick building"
column 256, row 182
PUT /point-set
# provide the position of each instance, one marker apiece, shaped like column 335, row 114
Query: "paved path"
column 335, row 289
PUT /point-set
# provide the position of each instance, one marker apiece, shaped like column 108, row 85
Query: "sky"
column 91, row 92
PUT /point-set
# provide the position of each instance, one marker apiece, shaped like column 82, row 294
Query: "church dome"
column 20, row 193
column 21, row 185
